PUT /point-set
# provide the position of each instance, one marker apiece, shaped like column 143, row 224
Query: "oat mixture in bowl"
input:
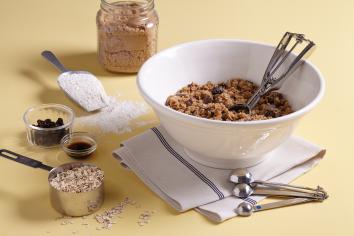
column 215, row 101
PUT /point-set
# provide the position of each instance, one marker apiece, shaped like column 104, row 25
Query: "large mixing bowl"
column 225, row 144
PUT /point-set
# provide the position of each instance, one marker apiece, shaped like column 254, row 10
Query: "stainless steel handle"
column 245, row 186
column 265, row 188
column 54, row 60
column 279, row 192
column 246, row 208
column 243, row 190
column 282, row 203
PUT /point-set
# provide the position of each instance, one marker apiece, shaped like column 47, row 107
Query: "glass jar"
column 127, row 34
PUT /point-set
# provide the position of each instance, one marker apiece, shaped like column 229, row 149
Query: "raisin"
column 270, row 114
column 217, row 90
column 59, row 122
column 48, row 123
column 189, row 102
column 40, row 123
column 207, row 99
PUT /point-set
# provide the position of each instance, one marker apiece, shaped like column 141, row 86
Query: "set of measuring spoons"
column 246, row 186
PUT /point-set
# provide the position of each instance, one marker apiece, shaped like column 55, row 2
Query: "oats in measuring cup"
column 78, row 179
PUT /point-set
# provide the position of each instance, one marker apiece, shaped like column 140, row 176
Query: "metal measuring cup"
column 66, row 203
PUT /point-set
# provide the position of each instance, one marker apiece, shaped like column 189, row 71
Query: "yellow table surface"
column 68, row 28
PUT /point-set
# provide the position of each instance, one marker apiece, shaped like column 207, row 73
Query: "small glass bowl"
column 47, row 137
column 85, row 141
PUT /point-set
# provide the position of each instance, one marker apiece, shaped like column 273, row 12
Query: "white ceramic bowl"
column 224, row 144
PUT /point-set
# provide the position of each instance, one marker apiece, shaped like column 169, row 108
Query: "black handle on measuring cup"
column 23, row 160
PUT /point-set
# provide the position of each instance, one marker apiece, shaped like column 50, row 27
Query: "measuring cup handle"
column 23, row 160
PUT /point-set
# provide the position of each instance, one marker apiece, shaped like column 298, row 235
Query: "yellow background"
column 68, row 28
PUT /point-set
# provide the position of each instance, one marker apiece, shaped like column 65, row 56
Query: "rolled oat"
column 144, row 217
column 106, row 218
column 78, row 179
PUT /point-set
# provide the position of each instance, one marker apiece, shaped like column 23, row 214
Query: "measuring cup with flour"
column 81, row 86
column 76, row 189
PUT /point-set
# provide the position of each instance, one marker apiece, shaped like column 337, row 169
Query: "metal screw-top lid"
column 241, row 176
column 244, row 209
column 242, row 190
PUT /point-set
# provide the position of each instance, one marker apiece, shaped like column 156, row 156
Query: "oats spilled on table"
column 106, row 218
column 145, row 217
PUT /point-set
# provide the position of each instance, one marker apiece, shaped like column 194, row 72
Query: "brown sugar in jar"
column 127, row 34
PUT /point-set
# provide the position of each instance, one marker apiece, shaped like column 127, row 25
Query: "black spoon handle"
column 23, row 160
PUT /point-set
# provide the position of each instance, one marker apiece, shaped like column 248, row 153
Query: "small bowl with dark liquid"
column 78, row 145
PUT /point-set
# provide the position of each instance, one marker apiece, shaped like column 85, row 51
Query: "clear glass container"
column 47, row 137
column 79, row 145
column 127, row 34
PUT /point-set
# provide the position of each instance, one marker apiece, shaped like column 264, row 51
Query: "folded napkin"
column 163, row 165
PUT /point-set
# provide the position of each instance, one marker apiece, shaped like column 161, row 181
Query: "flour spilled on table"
column 118, row 117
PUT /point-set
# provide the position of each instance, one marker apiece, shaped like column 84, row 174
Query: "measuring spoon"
column 246, row 186
column 246, row 208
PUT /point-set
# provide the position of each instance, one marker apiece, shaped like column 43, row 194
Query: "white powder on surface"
column 83, row 88
column 117, row 117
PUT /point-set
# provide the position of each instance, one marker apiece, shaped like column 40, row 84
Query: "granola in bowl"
column 215, row 101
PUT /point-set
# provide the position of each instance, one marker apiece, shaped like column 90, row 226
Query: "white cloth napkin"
column 163, row 165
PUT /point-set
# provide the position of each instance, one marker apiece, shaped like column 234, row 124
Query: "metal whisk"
column 272, row 77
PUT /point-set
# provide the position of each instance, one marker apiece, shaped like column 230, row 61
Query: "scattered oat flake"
column 144, row 217
column 106, row 218
column 66, row 222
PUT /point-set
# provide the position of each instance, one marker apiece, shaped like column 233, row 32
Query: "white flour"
column 117, row 117
column 83, row 88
